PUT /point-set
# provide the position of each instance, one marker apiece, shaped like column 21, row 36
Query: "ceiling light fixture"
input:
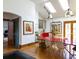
column 64, row 4
column 49, row 7
column 50, row 15
column 68, row 13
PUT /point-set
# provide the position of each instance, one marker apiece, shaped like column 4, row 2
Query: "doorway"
column 11, row 31
column 70, row 34
column 69, row 31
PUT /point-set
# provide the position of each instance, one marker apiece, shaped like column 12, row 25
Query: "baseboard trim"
column 21, row 46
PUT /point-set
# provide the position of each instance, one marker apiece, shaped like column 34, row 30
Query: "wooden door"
column 69, row 30
column 10, row 34
column 69, row 33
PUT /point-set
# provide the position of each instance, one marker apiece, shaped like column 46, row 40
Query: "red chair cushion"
column 45, row 34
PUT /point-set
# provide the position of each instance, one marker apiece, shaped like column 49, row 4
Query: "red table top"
column 52, row 39
column 45, row 36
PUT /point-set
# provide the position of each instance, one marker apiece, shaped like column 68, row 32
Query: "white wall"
column 62, row 19
column 25, row 9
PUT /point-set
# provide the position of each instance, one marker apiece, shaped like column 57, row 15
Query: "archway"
column 11, row 30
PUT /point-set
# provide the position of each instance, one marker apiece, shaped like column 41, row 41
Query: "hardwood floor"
column 39, row 53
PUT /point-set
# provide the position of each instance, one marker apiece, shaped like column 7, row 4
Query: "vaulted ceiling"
column 60, row 12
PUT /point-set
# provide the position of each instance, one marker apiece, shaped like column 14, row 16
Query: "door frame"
column 64, row 31
column 13, row 30
column 66, row 22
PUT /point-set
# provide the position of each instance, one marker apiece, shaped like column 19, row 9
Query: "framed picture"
column 28, row 27
column 42, row 24
column 56, row 27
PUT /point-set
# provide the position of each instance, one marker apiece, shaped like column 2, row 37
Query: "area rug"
column 17, row 55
